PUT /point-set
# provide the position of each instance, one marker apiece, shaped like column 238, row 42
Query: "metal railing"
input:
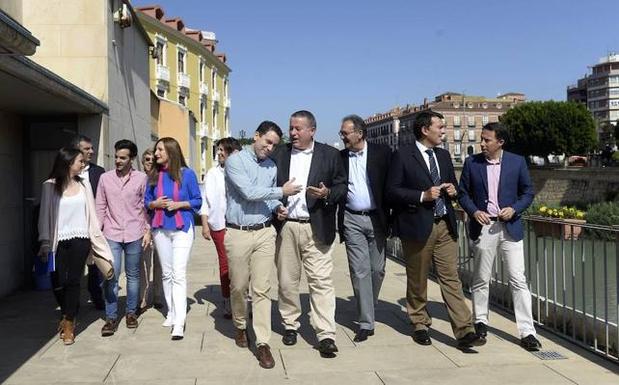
column 573, row 271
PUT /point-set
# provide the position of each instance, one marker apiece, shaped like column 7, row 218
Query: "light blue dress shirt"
column 251, row 192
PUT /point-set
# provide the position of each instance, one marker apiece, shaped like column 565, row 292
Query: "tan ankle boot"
column 61, row 327
column 68, row 336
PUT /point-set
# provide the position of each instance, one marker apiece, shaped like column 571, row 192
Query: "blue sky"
column 340, row 57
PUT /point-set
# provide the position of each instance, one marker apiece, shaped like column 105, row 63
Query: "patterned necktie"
column 439, row 204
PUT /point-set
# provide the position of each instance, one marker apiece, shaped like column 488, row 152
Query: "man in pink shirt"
column 124, row 221
column 495, row 189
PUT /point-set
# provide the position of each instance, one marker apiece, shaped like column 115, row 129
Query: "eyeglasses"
column 148, row 159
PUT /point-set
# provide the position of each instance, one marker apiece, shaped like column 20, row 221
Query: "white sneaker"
column 177, row 332
column 168, row 321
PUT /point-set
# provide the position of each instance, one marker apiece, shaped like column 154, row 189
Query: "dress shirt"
column 189, row 191
column 359, row 196
column 251, row 192
column 120, row 205
column 214, row 198
column 300, row 163
column 85, row 176
column 494, row 174
column 426, row 158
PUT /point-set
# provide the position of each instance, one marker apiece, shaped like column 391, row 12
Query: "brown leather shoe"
column 132, row 321
column 265, row 358
column 109, row 328
column 68, row 336
column 240, row 338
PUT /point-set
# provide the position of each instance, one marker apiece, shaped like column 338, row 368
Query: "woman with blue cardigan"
column 172, row 196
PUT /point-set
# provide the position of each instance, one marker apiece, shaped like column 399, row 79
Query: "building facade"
column 464, row 117
column 40, row 112
column 186, row 74
column 101, row 47
column 599, row 91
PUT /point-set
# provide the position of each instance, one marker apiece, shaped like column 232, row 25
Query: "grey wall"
column 11, row 204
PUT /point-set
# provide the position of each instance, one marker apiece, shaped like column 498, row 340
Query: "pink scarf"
column 158, row 219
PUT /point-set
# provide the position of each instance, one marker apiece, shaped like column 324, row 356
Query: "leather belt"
column 494, row 219
column 366, row 213
column 257, row 226
column 438, row 219
column 299, row 220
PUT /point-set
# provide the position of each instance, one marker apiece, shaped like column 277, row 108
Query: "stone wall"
column 573, row 184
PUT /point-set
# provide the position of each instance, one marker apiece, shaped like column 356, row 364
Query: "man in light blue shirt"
column 252, row 200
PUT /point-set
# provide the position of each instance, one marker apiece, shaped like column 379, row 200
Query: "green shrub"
column 603, row 213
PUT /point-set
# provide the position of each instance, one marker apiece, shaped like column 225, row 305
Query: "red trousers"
column 224, row 279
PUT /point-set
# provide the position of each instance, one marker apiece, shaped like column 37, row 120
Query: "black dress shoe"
column 481, row 329
column 363, row 334
column 469, row 340
column 327, row 346
column 422, row 337
column 290, row 337
column 531, row 343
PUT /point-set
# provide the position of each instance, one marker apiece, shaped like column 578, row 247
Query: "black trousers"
column 71, row 258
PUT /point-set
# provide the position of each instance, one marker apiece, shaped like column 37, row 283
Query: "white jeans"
column 174, row 249
column 494, row 240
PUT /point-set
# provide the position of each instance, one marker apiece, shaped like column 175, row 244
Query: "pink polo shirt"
column 494, row 174
column 120, row 206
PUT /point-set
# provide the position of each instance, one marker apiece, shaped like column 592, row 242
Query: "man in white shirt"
column 213, row 213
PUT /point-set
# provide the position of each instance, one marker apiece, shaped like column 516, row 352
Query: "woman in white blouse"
column 213, row 213
column 69, row 231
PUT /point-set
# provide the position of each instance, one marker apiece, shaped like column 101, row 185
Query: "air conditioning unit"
column 123, row 16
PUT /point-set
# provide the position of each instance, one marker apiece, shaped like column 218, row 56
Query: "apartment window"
column 215, row 115
column 470, row 121
column 457, row 135
column 181, row 61
column 470, row 150
column 213, row 79
column 457, row 149
column 202, row 111
column 226, row 87
column 471, row 135
column 160, row 47
column 484, row 120
column 201, row 70
column 614, row 103
column 613, row 91
column 457, row 121
column 613, row 79
column 182, row 100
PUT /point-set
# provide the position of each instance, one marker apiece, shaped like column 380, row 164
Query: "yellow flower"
column 543, row 209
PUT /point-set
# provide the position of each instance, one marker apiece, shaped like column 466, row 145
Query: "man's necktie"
column 439, row 204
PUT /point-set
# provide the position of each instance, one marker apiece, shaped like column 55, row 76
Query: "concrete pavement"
column 31, row 353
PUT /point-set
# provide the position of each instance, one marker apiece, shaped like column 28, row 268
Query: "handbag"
column 44, row 267
column 104, row 265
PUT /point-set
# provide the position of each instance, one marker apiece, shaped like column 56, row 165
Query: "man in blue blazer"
column 495, row 189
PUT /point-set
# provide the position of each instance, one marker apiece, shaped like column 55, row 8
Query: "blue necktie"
column 439, row 204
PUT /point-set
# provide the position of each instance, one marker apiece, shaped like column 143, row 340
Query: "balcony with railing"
column 203, row 130
column 163, row 73
column 216, row 95
column 227, row 103
column 183, row 80
column 203, row 88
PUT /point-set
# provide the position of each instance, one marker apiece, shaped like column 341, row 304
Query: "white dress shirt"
column 214, row 198
column 426, row 158
column 359, row 196
column 300, row 162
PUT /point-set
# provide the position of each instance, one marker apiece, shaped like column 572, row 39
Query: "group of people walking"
column 280, row 205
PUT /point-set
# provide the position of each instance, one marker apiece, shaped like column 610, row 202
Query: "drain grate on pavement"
column 549, row 355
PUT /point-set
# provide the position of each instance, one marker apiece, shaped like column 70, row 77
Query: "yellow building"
column 191, row 83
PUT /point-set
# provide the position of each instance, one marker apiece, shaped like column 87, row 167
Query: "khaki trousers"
column 298, row 249
column 441, row 249
column 251, row 253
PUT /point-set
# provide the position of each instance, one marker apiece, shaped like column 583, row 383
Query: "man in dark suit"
column 306, row 236
column 495, row 189
column 91, row 175
column 363, row 218
column 421, row 187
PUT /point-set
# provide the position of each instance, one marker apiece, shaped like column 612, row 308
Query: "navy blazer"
column 408, row 177
column 515, row 190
